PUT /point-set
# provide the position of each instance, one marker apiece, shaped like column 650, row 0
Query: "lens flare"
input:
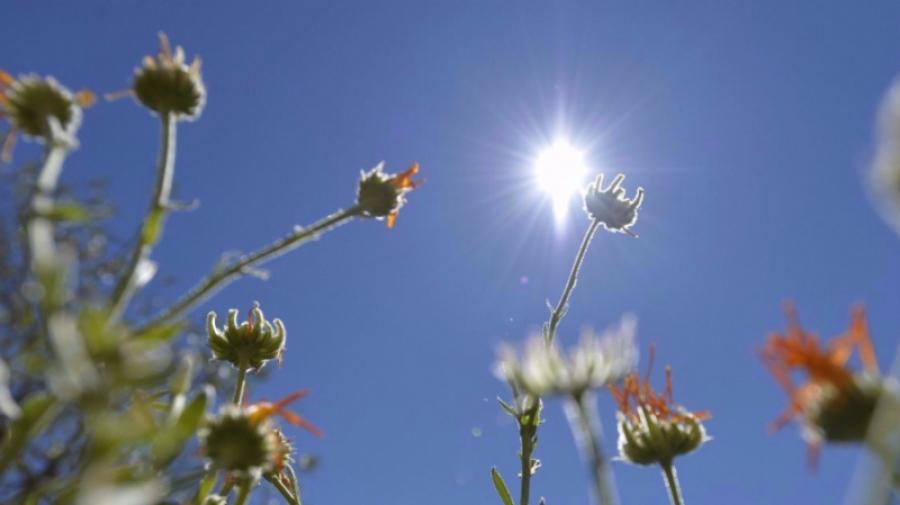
column 559, row 171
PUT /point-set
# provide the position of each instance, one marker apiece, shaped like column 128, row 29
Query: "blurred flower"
column 248, row 345
column 652, row 428
column 166, row 84
column 381, row 195
column 40, row 109
column 885, row 175
column 242, row 439
column 610, row 207
column 594, row 363
column 835, row 404
column 8, row 405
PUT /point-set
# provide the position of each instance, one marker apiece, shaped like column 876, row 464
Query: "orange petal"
column 6, row 79
column 85, row 98
column 391, row 218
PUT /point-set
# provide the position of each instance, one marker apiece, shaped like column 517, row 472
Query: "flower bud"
column 248, row 345
column 233, row 442
column 40, row 108
column 610, row 207
column 381, row 195
column 166, row 84
column 652, row 440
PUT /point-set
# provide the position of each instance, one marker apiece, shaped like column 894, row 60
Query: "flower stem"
column 41, row 239
column 244, row 492
column 283, row 489
column 239, row 386
column 222, row 276
column 560, row 309
column 528, row 436
column 580, row 410
column 672, row 483
column 151, row 229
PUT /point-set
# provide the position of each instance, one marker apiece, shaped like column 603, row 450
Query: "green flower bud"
column 236, row 442
column 651, row 440
column 610, row 207
column 844, row 415
column 381, row 195
column 165, row 84
column 247, row 345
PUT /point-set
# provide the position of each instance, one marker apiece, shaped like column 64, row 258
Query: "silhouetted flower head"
column 610, row 207
column 381, row 195
column 594, row 363
column 40, row 108
column 166, row 84
column 242, row 439
column 834, row 403
column 248, row 345
column 652, row 428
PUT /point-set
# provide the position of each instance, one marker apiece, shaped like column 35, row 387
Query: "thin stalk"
column 585, row 425
column 239, row 386
column 41, row 238
column 672, row 485
column 221, row 277
column 284, row 490
column 244, row 492
column 560, row 309
column 527, row 434
column 152, row 226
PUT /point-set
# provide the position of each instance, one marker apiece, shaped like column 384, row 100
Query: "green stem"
column 151, row 229
column 239, row 387
column 560, row 310
column 41, row 239
column 284, row 490
column 586, row 430
column 220, row 277
column 527, row 434
column 672, row 483
column 244, row 492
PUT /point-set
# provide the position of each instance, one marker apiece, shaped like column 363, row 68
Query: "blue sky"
column 749, row 124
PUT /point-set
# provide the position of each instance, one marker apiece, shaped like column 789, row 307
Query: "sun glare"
column 559, row 171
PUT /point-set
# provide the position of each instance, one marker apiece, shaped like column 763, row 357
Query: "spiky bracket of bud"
column 609, row 206
column 248, row 345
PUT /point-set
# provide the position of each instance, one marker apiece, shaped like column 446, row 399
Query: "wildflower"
column 40, row 109
column 167, row 85
column 595, row 362
column 248, row 345
column 610, row 207
column 382, row 195
column 652, row 428
column 835, row 404
column 242, row 439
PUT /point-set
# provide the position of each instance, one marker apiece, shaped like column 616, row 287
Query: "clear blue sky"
column 749, row 124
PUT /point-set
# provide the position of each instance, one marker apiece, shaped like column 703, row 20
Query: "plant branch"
column 560, row 310
column 220, row 277
column 284, row 490
column 152, row 227
column 580, row 410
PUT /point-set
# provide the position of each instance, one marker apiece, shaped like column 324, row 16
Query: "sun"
column 559, row 171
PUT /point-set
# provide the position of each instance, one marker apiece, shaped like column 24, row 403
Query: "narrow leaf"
column 501, row 488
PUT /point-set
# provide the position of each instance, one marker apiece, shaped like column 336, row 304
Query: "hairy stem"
column 560, row 310
column 220, row 277
column 672, row 485
column 580, row 410
column 284, row 490
column 239, row 386
column 151, row 229
column 527, row 434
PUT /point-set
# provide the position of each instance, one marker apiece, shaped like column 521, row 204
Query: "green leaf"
column 507, row 407
column 501, row 488
column 162, row 332
column 38, row 410
column 169, row 442
column 69, row 212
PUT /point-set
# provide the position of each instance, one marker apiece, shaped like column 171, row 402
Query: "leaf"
column 507, row 407
column 69, row 212
column 501, row 488
column 170, row 441
column 161, row 332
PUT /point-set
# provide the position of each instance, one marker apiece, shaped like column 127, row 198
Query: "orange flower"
column 834, row 402
column 403, row 182
column 261, row 411
column 382, row 195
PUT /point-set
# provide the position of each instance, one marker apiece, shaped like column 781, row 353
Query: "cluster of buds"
column 248, row 345
column 653, row 430
column 40, row 108
column 609, row 206
column 381, row 195
column 243, row 440
column 594, row 363
column 165, row 84
column 835, row 403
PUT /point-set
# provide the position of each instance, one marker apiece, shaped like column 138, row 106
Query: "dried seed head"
column 381, row 195
column 166, row 84
column 610, row 207
column 248, row 345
